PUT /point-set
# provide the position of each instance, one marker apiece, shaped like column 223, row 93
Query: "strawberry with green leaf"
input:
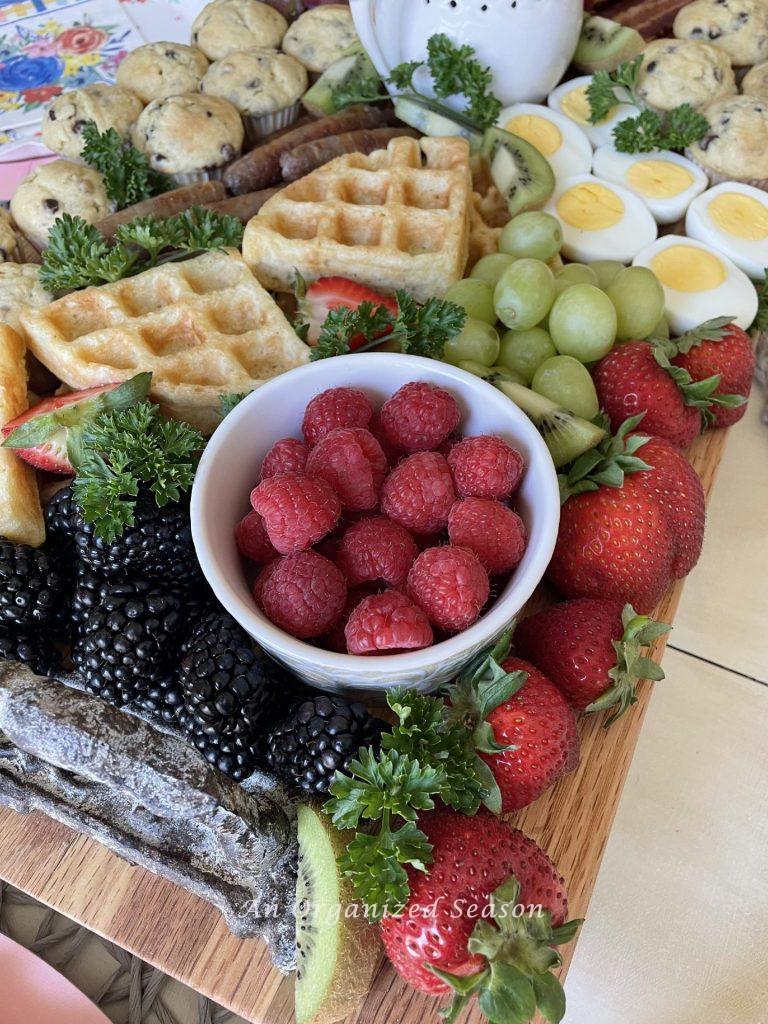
column 725, row 351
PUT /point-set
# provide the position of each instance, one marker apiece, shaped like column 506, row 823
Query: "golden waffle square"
column 204, row 327
column 398, row 218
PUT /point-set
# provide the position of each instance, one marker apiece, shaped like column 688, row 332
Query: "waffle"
column 204, row 328
column 488, row 216
column 398, row 218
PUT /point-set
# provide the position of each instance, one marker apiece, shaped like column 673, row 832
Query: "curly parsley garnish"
column 78, row 254
column 676, row 129
column 128, row 178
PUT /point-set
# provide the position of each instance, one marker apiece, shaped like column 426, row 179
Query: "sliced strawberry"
column 43, row 434
column 329, row 293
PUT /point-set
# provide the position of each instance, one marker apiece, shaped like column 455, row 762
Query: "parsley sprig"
column 455, row 71
column 420, row 330
column 78, row 254
column 761, row 320
column 674, row 129
column 128, row 178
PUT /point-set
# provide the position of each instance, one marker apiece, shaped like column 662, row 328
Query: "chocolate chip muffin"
column 755, row 82
column 108, row 106
column 264, row 85
column 227, row 26
column 190, row 137
column 736, row 146
column 7, row 237
column 320, row 36
column 740, row 27
column 19, row 287
column 677, row 71
column 158, row 70
column 53, row 189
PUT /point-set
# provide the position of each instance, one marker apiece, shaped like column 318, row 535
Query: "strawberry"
column 328, row 293
column 731, row 356
column 46, row 434
column 483, row 920
column 591, row 649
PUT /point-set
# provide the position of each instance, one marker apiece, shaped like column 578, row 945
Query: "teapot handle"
column 364, row 17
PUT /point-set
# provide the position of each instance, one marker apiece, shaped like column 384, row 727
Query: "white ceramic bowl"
column 229, row 470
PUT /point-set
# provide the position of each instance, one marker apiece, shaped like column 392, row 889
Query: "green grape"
column 566, row 381
column 606, row 271
column 524, row 294
column 478, row 342
column 582, row 323
column 524, row 351
column 639, row 300
column 661, row 330
column 490, row 268
column 475, row 296
column 533, row 234
column 571, row 274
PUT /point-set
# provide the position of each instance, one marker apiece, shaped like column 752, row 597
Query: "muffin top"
column 189, row 133
column 52, row 189
column 7, row 236
column 737, row 144
column 257, row 81
column 226, row 26
column 755, row 82
column 20, row 286
column 676, row 71
column 740, row 27
column 158, row 70
column 108, row 106
column 320, row 36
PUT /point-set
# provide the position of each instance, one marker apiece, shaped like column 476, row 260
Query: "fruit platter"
column 361, row 391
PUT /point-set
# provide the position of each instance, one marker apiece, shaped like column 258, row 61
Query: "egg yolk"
column 590, row 207
column 685, row 268
column 575, row 104
column 659, row 179
column 739, row 215
column 538, row 131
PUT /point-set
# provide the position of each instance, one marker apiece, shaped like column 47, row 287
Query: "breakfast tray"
column 188, row 939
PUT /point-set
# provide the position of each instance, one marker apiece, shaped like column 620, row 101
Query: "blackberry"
column 321, row 735
column 89, row 591
column 157, row 547
column 34, row 650
column 129, row 642
column 231, row 692
column 60, row 515
column 32, row 588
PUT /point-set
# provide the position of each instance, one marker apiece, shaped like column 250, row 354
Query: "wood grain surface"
column 187, row 938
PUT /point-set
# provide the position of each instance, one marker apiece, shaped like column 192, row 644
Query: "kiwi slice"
column 337, row 951
column 604, row 44
column 519, row 171
column 354, row 71
column 419, row 115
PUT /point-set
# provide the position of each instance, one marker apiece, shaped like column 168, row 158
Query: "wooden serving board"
column 187, row 938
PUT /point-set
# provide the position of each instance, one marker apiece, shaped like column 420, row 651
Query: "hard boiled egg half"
column 600, row 220
column 734, row 219
column 666, row 182
column 570, row 99
column 556, row 137
column 699, row 283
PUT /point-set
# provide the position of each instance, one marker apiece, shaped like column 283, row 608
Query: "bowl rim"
column 485, row 630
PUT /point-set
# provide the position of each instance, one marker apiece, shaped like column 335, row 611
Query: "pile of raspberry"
column 382, row 532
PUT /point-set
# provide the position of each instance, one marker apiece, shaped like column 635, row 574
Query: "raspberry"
column 262, row 579
column 495, row 533
column 486, row 467
column 303, row 594
column 376, row 550
column 298, row 510
column 337, row 407
column 352, row 462
column 336, row 640
column 285, row 456
column 252, row 539
column 450, row 585
column 388, row 622
column 419, row 417
column 393, row 454
column 419, row 493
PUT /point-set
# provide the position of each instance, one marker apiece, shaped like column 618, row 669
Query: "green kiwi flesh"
column 519, row 171
column 337, row 951
column 604, row 44
column 353, row 71
column 419, row 115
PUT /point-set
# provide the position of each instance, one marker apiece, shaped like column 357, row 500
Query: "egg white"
column 614, row 166
column 748, row 255
column 735, row 297
column 598, row 134
column 574, row 155
column 622, row 241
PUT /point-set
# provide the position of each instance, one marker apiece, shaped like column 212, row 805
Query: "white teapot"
column 528, row 44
